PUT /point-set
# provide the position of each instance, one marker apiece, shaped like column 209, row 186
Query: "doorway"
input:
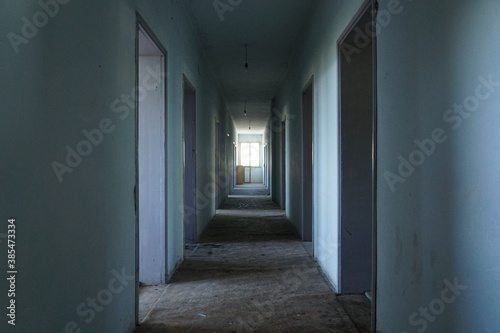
column 151, row 175
column 307, row 162
column 265, row 167
column 217, row 164
column 283, row 165
column 190, row 208
column 357, row 156
column 151, row 171
column 234, row 165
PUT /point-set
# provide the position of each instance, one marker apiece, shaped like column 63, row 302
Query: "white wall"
column 76, row 235
column 442, row 222
column 317, row 56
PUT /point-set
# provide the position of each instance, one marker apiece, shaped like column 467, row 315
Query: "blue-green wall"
column 73, row 234
column 439, row 223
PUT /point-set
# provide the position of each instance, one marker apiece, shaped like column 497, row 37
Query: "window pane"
column 245, row 154
column 250, row 154
column 254, row 154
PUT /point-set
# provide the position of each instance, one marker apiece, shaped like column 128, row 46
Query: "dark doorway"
column 217, row 164
column 357, row 155
column 190, row 209
column 307, row 162
column 283, row 165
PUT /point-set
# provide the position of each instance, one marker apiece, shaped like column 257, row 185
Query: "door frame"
column 373, row 6
column 218, row 137
column 141, row 25
column 265, row 165
column 187, row 83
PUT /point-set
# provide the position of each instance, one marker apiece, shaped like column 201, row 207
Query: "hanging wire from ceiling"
column 246, row 58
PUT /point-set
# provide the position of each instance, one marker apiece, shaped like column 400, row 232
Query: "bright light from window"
column 250, row 154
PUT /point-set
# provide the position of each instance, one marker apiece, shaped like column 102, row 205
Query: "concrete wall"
column 317, row 56
column 76, row 233
column 438, row 218
column 73, row 232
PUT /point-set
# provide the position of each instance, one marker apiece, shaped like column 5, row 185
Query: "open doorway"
column 217, row 163
column 307, row 162
column 357, row 139
column 190, row 209
column 265, row 164
column 283, row 164
column 151, row 158
column 151, row 246
column 235, row 177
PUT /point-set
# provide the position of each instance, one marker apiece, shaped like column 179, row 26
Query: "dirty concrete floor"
column 249, row 273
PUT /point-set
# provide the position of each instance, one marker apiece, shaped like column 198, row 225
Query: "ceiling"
column 271, row 29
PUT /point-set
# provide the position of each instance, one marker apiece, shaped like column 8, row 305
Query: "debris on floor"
column 254, row 275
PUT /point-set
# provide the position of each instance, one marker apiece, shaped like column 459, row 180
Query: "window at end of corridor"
column 250, row 154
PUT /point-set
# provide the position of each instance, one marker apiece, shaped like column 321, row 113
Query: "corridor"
column 365, row 131
column 249, row 273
